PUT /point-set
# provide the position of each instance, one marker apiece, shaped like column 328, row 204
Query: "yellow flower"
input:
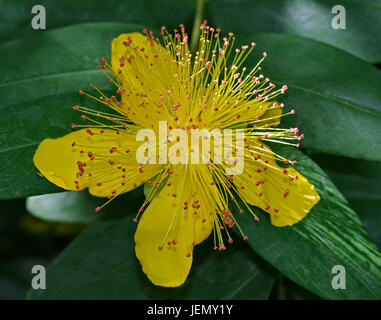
column 208, row 90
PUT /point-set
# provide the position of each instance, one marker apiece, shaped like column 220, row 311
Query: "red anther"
column 160, row 247
column 238, row 116
column 293, row 162
column 292, row 111
column 188, row 254
column 230, row 240
column 91, row 85
column 83, row 117
column 215, row 248
column 81, row 92
column 97, row 209
column 298, row 145
column 291, row 178
column 256, row 218
column 208, row 64
column 245, row 238
column 267, row 208
column 76, row 107
column 256, row 118
column 73, row 144
column 285, row 171
column 174, row 195
column 174, row 242
column 99, row 184
column 140, row 210
column 140, row 170
column 241, row 211
column 301, row 137
column 72, row 125
column 135, row 220
column 194, row 243
column 260, row 194
column 242, row 187
column 265, row 54
column 286, row 161
column 203, row 220
column 169, row 243
column 296, row 177
column 276, row 210
column 285, row 193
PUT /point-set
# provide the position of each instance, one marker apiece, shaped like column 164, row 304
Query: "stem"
column 200, row 5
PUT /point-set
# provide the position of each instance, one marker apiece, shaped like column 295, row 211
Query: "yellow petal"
column 180, row 212
column 146, row 72
column 284, row 193
column 101, row 160
column 271, row 116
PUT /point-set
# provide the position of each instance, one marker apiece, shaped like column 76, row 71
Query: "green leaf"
column 330, row 235
column 360, row 183
column 58, row 64
column 364, row 195
column 336, row 96
column 69, row 206
column 79, row 206
column 16, row 16
column 101, row 264
column 310, row 19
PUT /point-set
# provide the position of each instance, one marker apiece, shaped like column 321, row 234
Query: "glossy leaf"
column 364, row 196
column 69, row 206
column 311, row 19
column 16, row 16
column 336, row 96
column 330, row 235
column 101, row 264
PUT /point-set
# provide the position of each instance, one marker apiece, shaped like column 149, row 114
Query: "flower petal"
column 102, row 160
column 284, row 193
column 181, row 212
column 145, row 71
